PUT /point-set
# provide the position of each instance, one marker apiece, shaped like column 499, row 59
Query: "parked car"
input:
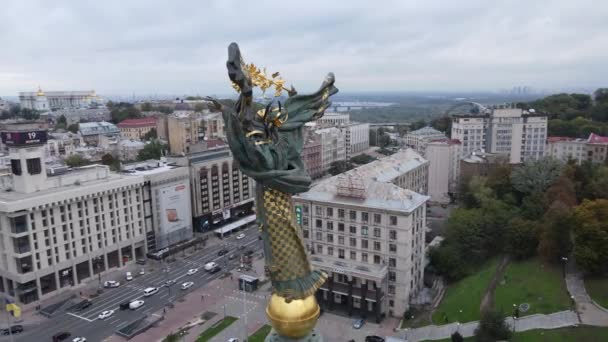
column 150, row 291
column 192, row 271
column 374, row 338
column 169, row 282
column 240, row 236
column 141, row 261
column 142, row 272
column 15, row 329
column 129, row 276
column 187, row 285
column 79, row 339
column 222, row 252
column 358, row 323
column 60, row 336
column 106, row 314
column 86, row 304
column 111, row 283
column 136, row 304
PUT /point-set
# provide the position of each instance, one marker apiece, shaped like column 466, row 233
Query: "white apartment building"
column 368, row 234
column 512, row 131
column 357, row 138
column 333, row 119
column 444, row 169
column 60, row 228
column 593, row 149
column 45, row 101
column 333, row 146
column 419, row 138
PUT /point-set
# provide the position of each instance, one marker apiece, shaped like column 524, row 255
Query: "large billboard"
column 24, row 138
column 175, row 212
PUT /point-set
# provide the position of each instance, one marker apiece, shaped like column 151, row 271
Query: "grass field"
column 208, row 334
column 260, row 334
column 598, row 290
column 580, row 334
column 465, row 295
column 540, row 285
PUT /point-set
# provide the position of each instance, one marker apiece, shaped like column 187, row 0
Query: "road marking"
column 122, row 324
column 114, row 321
column 83, row 318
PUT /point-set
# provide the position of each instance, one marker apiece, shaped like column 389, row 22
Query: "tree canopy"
column 152, row 150
column 591, row 236
column 76, row 160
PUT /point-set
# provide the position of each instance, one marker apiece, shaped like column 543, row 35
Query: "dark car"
column 373, row 339
column 124, row 306
column 15, row 329
column 222, row 252
column 249, row 252
column 61, row 336
column 141, row 261
column 86, row 304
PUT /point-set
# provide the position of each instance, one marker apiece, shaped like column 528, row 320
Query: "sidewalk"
column 537, row 321
column 590, row 312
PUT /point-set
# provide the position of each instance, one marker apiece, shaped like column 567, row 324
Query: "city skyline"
column 124, row 49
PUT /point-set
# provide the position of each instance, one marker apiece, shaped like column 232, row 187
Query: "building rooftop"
column 425, row 131
column 445, row 142
column 391, row 167
column 597, row 139
column 134, row 123
column 94, row 128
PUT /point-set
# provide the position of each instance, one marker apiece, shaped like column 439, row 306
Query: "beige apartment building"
column 183, row 131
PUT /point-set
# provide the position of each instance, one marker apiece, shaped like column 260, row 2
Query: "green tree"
column 165, row 109
column 443, row 124
column 448, row 261
column 199, row 107
column 591, row 236
column 418, row 124
column 151, row 135
column 29, row 114
column 384, row 140
column 152, row 150
column 535, row 175
column 107, row 159
column 362, row 159
column 75, row 160
column 492, row 327
column 598, row 185
column 123, row 111
column 339, row 167
column 146, row 107
column 522, row 238
column 456, row 337
column 554, row 238
column 601, row 95
column 74, row 127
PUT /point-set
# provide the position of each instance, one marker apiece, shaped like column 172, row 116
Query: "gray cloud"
column 179, row 47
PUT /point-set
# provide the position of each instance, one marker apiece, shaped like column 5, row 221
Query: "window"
column 392, row 234
column 353, row 230
column 340, row 253
column 364, row 217
column 305, row 209
column 393, row 220
column 330, row 212
column 392, row 248
column 364, row 230
column 392, row 276
column 340, row 240
column 330, row 251
column 364, row 244
column 341, row 213
column 391, row 303
column 33, row 166
column 377, row 232
column 391, row 289
column 392, row 262
column 377, row 259
column 340, row 227
column 330, row 225
column 16, row 166
column 320, row 249
column 330, row 237
column 305, row 232
column 353, row 255
column 377, row 218
column 353, row 215
column 318, row 210
column 353, row 242
column 376, row 245
column 319, row 236
column 305, row 221
column 364, row 257
column 319, row 223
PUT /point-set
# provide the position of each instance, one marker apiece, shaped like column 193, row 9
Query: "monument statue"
column 266, row 142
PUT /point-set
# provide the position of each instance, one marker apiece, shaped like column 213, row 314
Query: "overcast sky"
column 179, row 47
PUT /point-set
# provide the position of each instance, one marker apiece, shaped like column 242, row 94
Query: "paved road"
column 86, row 323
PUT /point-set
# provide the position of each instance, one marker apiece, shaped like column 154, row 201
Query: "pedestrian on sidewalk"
column 202, row 298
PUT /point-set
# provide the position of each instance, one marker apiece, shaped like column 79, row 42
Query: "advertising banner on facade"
column 174, row 208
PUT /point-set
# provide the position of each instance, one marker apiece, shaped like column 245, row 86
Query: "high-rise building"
column 368, row 233
column 183, row 129
column 519, row 134
column 333, row 146
column 41, row 100
column 444, row 168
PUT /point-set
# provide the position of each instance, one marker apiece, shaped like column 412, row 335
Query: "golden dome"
column 294, row 319
column 40, row 92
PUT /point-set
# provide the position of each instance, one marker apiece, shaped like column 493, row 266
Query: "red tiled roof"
column 133, row 123
column 597, row 139
column 556, row 139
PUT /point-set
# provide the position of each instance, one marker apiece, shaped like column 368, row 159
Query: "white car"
column 234, row 339
column 106, row 314
column 79, row 339
column 210, row 266
column 150, row 291
column 136, row 304
column 192, row 271
column 111, row 283
column 142, row 272
column 187, row 285
column 129, row 276
column 240, row 236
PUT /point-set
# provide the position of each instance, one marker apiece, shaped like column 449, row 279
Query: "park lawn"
column 539, row 284
column 465, row 295
column 260, row 334
column 598, row 290
column 581, row 333
column 208, row 334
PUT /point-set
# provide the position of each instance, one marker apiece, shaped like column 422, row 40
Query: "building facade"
column 419, row 138
column 505, row 130
column 593, row 149
column 45, row 101
column 333, row 146
column 136, row 129
column 369, row 236
column 183, row 129
column 444, row 169
column 357, row 138
column 212, row 124
column 93, row 133
column 312, row 154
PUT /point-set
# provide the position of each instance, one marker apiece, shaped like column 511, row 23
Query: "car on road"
column 150, row 291
column 192, row 271
column 249, row 253
column 124, row 305
column 111, row 283
column 80, row 339
column 15, row 329
column 240, row 236
column 187, row 285
column 358, row 323
column 142, row 272
column 215, row 270
column 234, row 339
column 232, row 256
column 129, row 276
column 169, row 282
column 210, row 266
column 141, row 261
column 60, row 336
column 374, row 338
column 134, row 305
column 222, row 252
column 85, row 304
column 106, row 314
